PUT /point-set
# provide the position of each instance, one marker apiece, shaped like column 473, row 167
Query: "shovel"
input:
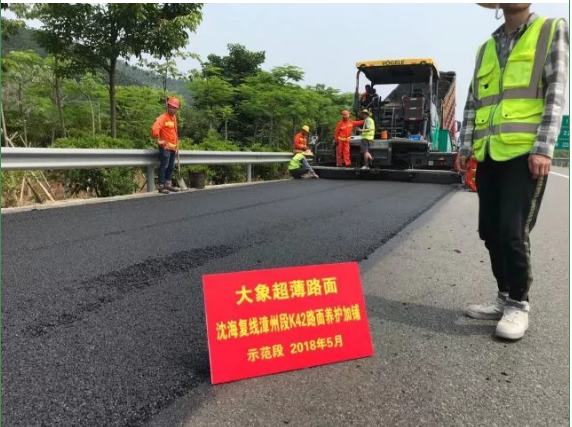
column 180, row 180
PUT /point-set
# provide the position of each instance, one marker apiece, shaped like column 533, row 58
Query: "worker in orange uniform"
column 366, row 97
column 165, row 131
column 342, row 136
column 471, row 174
column 301, row 139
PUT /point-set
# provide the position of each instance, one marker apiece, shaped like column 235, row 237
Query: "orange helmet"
column 174, row 102
column 345, row 113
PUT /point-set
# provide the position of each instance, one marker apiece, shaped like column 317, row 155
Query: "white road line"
column 559, row 174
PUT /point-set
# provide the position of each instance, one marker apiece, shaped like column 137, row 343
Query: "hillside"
column 127, row 75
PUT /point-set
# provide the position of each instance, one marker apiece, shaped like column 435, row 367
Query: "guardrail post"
column 150, row 178
column 249, row 172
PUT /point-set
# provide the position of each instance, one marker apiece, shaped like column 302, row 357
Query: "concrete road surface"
column 103, row 324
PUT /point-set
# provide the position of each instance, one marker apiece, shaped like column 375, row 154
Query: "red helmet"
column 174, row 102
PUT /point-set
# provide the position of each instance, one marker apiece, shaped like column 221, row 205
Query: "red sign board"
column 268, row 321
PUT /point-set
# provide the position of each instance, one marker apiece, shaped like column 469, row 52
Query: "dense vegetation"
column 69, row 85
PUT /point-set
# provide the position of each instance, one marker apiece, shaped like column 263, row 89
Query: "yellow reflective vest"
column 510, row 101
column 368, row 133
column 297, row 161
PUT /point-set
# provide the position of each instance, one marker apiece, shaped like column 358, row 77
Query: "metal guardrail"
column 77, row 158
column 560, row 161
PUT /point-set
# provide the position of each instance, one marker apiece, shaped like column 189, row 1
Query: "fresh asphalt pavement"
column 103, row 319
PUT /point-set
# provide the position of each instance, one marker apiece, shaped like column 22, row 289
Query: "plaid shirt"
column 555, row 76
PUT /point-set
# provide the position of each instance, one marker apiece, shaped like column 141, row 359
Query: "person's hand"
column 463, row 162
column 539, row 165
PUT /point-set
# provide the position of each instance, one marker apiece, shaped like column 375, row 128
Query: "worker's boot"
column 162, row 190
column 488, row 311
column 169, row 186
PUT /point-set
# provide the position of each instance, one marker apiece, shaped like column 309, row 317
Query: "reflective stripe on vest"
column 509, row 103
column 171, row 146
column 368, row 133
column 296, row 162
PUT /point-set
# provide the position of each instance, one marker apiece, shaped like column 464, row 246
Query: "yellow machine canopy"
column 398, row 71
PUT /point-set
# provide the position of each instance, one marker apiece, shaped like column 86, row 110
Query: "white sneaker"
column 514, row 322
column 488, row 311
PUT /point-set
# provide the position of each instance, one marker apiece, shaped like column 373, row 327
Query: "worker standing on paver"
column 165, row 131
column 299, row 168
column 366, row 97
column 342, row 136
column 301, row 139
column 367, row 133
column 511, row 122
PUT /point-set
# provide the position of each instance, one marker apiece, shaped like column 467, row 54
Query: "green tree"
column 275, row 104
column 10, row 27
column 239, row 64
column 193, row 123
column 95, row 36
column 166, row 69
column 330, row 103
column 258, row 102
column 236, row 67
column 24, row 70
column 285, row 74
column 226, row 113
column 137, row 108
column 90, row 89
column 210, row 92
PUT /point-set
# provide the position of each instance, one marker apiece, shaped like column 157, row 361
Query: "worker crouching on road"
column 511, row 121
column 165, row 131
column 301, row 139
column 367, row 132
column 299, row 167
column 342, row 136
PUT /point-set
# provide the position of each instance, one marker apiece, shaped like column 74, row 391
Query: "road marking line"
column 559, row 174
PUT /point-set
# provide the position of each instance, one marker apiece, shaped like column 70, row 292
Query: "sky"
column 326, row 40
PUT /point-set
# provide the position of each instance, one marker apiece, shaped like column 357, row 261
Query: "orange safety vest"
column 471, row 174
column 165, row 129
column 300, row 142
column 344, row 130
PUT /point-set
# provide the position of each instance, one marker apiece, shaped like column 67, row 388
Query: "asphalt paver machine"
column 415, row 126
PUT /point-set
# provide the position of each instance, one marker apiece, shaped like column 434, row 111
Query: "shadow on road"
column 436, row 319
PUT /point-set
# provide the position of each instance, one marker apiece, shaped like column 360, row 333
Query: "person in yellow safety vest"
column 511, row 121
column 367, row 132
column 299, row 167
